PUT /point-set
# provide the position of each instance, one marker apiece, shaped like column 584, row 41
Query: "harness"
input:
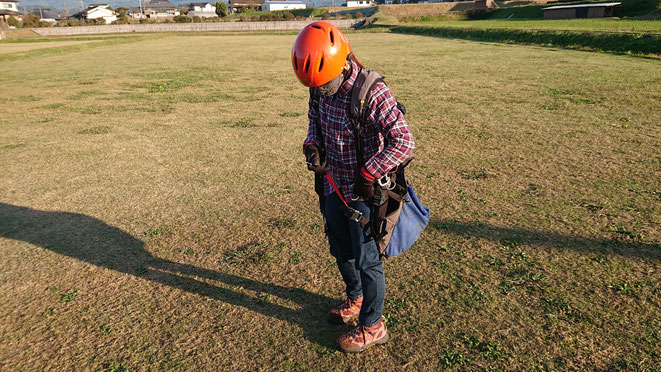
column 389, row 190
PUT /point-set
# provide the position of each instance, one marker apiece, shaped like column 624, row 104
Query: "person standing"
column 323, row 60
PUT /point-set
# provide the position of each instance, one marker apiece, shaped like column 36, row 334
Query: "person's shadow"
column 93, row 241
column 627, row 247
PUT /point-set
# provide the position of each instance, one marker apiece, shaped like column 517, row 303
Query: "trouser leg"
column 339, row 239
column 369, row 265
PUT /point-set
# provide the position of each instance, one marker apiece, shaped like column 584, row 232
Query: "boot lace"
column 346, row 304
column 357, row 333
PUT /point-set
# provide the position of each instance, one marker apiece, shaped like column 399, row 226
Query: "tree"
column 13, row 22
column 30, row 20
column 122, row 16
column 221, row 9
column 182, row 19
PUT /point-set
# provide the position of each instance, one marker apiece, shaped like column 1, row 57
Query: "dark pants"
column 357, row 258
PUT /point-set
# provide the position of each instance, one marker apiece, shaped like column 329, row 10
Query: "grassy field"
column 156, row 213
column 627, row 8
column 595, row 24
column 628, row 35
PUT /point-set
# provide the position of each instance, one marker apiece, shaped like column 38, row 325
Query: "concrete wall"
column 560, row 13
column 416, row 10
column 184, row 27
column 596, row 12
column 593, row 12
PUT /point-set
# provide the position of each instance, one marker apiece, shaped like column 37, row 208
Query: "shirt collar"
column 348, row 83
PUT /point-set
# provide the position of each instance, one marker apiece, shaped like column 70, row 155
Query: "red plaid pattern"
column 385, row 123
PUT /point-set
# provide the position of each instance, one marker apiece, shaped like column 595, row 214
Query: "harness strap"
column 376, row 226
column 351, row 213
column 360, row 92
column 337, row 190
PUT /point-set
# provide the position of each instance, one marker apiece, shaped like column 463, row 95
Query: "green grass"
column 594, row 24
column 619, row 42
column 628, row 8
column 187, row 235
column 610, row 35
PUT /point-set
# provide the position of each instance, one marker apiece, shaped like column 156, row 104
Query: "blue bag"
column 411, row 220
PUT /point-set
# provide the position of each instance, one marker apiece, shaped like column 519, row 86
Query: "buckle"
column 385, row 182
column 355, row 215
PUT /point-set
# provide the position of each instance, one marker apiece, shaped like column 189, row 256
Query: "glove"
column 313, row 159
column 363, row 184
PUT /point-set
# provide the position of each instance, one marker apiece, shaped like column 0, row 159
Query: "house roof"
column 85, row 12
column 159, row 5
column 8, row 12
column 200, row 4
column 45, row 13
column 9, row 1
column 580, row 6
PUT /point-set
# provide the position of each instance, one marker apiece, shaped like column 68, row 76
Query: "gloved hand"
column 363, row 184
column 313, row 158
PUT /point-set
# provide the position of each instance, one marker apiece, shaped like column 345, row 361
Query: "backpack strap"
column 384, row 198
column 360, row 95
column 319, row 179
column 314, row 99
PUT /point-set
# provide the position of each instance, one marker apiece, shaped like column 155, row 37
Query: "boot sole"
column 380, row 341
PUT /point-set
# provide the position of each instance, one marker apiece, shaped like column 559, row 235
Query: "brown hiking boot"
column 362, row 337
column 346, row 311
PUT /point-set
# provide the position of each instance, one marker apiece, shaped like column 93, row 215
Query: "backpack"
column 397, row 216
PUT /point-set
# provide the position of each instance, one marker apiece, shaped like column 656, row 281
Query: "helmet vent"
column 295, row 62
column 332, row 38
column 316, row 26
column 321, row 63
column 307, row 64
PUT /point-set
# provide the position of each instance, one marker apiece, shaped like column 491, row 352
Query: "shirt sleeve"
column 390, row 122
column 313, row 116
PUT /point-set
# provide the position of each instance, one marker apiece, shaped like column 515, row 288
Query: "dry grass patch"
column 156, row 213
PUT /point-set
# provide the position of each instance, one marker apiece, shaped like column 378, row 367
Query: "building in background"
column 580, row 11
column 202, row 7
column 238, row 6
column 136, row 13
column 46, row 15
column 97, row 12
column 269, row 5
column 160, row 9
column 358, row 3
column 9, row 8
column 202, row 10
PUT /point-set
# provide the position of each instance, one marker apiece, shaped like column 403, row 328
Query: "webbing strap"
column 350, row 213
column 337, row 190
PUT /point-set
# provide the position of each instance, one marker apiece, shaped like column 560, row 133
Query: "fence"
column 186, row 27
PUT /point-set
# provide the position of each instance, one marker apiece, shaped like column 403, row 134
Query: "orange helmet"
column 319, row 53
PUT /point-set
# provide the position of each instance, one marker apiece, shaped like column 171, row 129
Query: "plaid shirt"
column 384, row 122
